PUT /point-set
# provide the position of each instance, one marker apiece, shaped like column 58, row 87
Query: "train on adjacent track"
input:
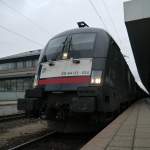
column 82, row 78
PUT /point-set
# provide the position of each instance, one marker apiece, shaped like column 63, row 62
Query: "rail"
column 32, row 141
column 12, row 117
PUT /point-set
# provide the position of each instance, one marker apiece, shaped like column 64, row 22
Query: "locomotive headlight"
column 65, row 55
column 35, row 83
column 96, row 77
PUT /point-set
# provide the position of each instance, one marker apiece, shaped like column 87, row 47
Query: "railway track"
column 54, row 141
column 32, row 141
column 11, row 117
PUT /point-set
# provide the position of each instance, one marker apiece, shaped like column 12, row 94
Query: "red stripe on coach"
column 65, row 80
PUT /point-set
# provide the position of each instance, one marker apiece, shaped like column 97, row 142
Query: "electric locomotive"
column 81, row 75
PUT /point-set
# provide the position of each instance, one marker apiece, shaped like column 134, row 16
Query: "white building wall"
column 137, row 9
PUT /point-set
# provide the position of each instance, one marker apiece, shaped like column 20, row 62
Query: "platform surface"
column 8, row 108
column 5, row 102
column 129, row 131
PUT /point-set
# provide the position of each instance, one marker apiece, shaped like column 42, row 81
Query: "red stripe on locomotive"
column 65, row 80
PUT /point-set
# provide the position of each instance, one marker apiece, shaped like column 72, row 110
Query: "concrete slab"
column 143, row 148
column 142, row 142
column 118, row 148
column 122, row 141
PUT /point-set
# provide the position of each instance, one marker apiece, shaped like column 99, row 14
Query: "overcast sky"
column 28, row 24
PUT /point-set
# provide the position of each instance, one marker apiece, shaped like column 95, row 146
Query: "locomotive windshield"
column 82, row 45
column 54, row 47
column 78, row 45
column 82, row 42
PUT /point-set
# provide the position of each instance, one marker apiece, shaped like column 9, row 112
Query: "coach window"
column 34, row 63
column 30, row 82
column 24, row 64
column 0, row 86
column 3, row 85
column 8, row 88
column 29, row 63
column 0, row 66
column 13, row 85
column 19, row 85
column 11, row 66
column 5, row 66
column 14, row 65
column 19, row 65
column 27, row 83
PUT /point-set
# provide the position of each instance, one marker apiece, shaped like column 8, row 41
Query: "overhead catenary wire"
column 108, row 12
column 95, row 9
column 105, row 5
column 110, row 18
column 21, row 35
column 27, row 18
column 101, row 19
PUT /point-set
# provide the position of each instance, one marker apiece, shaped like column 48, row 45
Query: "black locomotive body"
column 81, row 74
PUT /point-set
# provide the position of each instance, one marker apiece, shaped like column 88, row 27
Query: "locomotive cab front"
column 72, row 65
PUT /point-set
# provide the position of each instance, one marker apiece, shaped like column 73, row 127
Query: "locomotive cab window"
column 82, row 45
column 55, row 47
column 79, row 45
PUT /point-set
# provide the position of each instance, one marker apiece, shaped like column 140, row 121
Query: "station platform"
column 129, row 131
column 8, row 108
column 5, row 102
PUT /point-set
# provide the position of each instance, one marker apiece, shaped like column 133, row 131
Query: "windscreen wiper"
column 59, row 55
column 66, row 49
